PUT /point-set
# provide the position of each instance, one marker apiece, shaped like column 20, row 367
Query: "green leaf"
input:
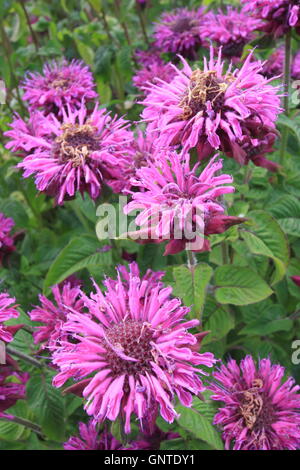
column 200, row 426
column 239, row 286
column 264, row 327
column 291, row 124
column 48, row 405
column 96, row 4
column 219, row 324
column 81, row 252
column 265, row 237
column 191, row 285
column 85, row 52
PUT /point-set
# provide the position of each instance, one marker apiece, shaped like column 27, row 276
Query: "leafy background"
column 243, row 296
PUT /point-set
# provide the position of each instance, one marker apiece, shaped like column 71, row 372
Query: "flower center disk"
column 133, row 339
column 204, row 87
column 181, row 25
column 76, row 143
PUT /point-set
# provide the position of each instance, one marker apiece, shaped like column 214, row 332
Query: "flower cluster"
column 132, row 352
column 61, row 84
column 12, row 387
column 178, row 205
column 53, row 315
column 74, row 154
column 231, row 30
column 278, row 15
column 178, row 31
column 210, row 109
column 273, row 67
column 93, row 439
column 153, row 73
column 261, row 411
column 6, row 240
column 8, row 310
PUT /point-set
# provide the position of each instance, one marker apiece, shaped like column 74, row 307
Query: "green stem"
column 35, row 212
column 224, row 249
column 8, row 53
column 142, row 23
column 191, row 260
column 24, row 422
column 31, row 360
column 117, row 7
column 106, row 25
column 32, row 32
column 80, row 216
column 286, row 83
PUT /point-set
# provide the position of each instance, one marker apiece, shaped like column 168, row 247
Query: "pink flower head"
column 8, row 310
column 210, row 109
column 279, row 15
column 6, row 241
column 134, row 352
column 93, row 439
column 12, row 386
column 143, row 150
column 296, row 67
column 273, row 67
column 178, row 205
column 261, row 412
column 19, row 140
column 149, row 57
column 232, row 30
column 61, row 84
column 153, row 74
column 53, row 315
column 76, row 154
column 152, row 278
column 178, row 31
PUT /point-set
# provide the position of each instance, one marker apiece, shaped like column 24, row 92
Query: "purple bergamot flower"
column 12, row 387
column 210, row 109
column 178, row 31
column 132, row 352
column 76, row 154
column 261, row 411
column 153, row 74
column 296, row 67
column 273, row 67
column 61, row 83
column 232, row 30
column 6, row 240
column 179, row 206
column 93, row 439
column 8, row 310
column 53, row 315
column 148, row 57
column 279, row 15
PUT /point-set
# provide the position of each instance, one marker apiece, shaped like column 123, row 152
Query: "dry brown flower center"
column 254, row 408
column 204, row 87
column 76, row 143
column 61, row 83
column 182, row 24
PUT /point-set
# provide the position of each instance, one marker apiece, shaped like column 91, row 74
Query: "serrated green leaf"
column 81, row 252
column 48, row 406
column 200, row 426
column 239, row 286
